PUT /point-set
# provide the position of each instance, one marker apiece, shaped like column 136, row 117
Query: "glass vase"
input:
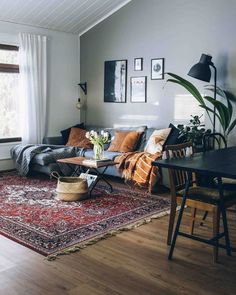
column 98, row 150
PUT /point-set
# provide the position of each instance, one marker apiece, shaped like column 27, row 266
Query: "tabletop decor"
column 31, row 215
column 98, row 140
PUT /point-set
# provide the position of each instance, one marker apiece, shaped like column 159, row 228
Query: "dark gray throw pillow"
column 66, row 132
column 173, row 136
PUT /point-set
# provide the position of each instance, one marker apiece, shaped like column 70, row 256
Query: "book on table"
column 97, row 163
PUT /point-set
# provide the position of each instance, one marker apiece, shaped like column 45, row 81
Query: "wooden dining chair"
column 202, row 198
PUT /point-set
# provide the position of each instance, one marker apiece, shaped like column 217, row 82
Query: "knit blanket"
column 137, row 167
column 22, row 155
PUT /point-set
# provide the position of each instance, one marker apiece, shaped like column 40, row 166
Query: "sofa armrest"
column 55, row 140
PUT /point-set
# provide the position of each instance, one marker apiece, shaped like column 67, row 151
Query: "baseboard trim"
column 6, row 164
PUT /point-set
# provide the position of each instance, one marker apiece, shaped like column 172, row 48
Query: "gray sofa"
column 45, row 163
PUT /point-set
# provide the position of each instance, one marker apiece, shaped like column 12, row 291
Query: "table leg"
column 224, row 218
column 100, row 176
column 180, row 216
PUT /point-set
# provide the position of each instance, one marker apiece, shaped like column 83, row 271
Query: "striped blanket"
column 137, row 167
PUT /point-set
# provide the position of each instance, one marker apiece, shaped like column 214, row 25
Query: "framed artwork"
column 138, row 89
column 138, row 64
column 115, row 81
column 157, row 69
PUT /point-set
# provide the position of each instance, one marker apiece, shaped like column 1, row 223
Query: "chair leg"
column 204, row 218
column 224, row 217
column 216, row 229
column 192, row 222
column 171, row 222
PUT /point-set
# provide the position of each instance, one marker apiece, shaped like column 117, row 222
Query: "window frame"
column 9, row 68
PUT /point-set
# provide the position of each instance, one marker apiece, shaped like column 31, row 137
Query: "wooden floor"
column 133, row 262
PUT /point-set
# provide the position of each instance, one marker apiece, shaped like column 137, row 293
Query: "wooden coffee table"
column 76, row 163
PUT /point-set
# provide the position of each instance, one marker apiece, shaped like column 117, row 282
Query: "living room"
column 83, row 37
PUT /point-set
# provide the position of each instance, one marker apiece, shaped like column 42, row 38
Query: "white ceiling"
column 73, row 16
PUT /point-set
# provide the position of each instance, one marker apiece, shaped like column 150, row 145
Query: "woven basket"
column 71, row 188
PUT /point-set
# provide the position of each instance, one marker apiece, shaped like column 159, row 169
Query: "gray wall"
column 178, row 30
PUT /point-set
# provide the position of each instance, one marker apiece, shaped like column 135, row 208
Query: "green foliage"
column 194, row 131
column 223, row 111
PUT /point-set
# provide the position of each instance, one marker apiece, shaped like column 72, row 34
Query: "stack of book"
column 97, row 163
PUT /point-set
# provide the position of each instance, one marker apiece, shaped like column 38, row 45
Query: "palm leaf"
column 231, row 127
column 211, row 111
column 189, row 86
column 219, row 91
column 222, row 111
column 230, row 109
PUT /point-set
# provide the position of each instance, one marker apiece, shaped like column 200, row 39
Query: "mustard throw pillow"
column 77, row 138
column 124, row 141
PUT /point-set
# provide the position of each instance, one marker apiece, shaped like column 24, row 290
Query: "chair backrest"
column 213, row 141
column 178, row 178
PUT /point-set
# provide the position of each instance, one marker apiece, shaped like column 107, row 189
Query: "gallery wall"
column 177, row 30
column 63, row 76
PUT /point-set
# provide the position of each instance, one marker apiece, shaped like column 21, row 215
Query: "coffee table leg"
column 100, row 176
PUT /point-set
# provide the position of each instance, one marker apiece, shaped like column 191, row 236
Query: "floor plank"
column 133, row 262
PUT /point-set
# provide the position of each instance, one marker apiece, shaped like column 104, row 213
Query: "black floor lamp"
column 202, row 71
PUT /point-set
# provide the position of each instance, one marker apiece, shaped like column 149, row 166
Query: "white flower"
column 106, row 134
column 87, row 135
column 102, row 132
column 95, row 134
column 92, row 132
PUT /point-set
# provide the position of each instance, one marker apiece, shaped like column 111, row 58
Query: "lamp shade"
column 202, row 70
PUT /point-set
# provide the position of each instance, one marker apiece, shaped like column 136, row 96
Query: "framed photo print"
column 157, row 69
column 138, row 89
column 115, row 81
column 138, row 64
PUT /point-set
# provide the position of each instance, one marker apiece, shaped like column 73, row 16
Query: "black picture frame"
column 138, row 64
column 115, row 81
column 138, row 89
column 157, row 68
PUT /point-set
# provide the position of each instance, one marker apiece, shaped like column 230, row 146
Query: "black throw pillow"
column 173, row 136
column 66, row 132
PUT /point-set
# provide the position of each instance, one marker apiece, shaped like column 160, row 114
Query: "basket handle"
column 55, row 174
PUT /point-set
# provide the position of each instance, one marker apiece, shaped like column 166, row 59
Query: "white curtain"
column 33, row 86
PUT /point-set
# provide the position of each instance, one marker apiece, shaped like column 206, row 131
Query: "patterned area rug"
column 31, row 215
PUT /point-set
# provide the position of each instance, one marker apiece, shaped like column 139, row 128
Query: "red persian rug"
column 31, row 215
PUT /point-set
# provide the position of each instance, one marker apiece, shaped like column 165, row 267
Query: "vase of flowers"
column 98, row 140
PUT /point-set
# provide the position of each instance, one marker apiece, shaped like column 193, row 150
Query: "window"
column 185, row 106
column 9, row 94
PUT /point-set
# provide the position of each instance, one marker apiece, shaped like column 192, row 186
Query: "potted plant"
column 194, row 132
column 222, row 110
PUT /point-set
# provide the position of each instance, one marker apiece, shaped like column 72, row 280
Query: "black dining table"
column 218, row 163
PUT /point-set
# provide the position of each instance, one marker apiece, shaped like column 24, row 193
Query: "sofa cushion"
column 77, row 138
column 107, row 155
column 173, row 136
column 117, row 141
column 50, row 156
column 125, row 141
column 157, row 140
column 142, row 129
column 66, row 132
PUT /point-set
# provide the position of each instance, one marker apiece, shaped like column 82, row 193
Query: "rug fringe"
column 115, row 232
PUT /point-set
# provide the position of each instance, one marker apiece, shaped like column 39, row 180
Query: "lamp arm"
column 215, row 79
